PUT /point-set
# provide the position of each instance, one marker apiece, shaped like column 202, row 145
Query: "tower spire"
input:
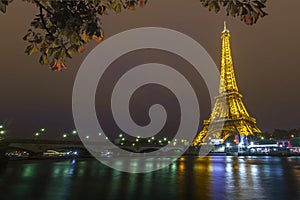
column 227, row 81
column 225, row 28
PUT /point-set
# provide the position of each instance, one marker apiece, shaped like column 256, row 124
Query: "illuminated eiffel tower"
column 229, row 115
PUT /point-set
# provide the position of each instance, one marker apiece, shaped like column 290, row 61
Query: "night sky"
column 265, row 57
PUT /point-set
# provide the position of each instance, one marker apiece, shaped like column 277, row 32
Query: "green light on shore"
column 37, row 134
column 43, row 129
column 2, row 132
column 1, row 126
column 65, row 135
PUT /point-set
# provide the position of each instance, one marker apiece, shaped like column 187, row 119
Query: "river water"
column 187, row 178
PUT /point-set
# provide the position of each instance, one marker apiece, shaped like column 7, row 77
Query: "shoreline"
column 4, row 161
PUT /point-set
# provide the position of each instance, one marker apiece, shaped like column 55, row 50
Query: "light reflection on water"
column 187, row 178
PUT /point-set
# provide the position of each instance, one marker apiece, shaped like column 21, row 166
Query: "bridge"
column 39, row 146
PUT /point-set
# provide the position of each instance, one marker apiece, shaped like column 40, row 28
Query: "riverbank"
column 5, row 160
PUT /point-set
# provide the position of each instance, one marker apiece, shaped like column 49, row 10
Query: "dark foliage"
column 62, row 28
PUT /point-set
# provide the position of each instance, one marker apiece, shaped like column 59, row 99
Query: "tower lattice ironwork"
column 229, row 115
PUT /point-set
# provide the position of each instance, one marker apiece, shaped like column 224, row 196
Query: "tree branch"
column 43, row 21
column 43, row 7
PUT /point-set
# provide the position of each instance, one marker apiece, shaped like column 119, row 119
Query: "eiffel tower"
column 229, row 115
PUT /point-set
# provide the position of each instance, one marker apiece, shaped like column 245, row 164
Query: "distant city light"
column 74, row 132
column 37, row 134
column 65, row 135
column 87, row 137
column 2, row 132
column 1, row 126
column 42, row 129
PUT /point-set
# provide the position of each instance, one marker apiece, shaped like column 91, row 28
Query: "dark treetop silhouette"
column 63, row 28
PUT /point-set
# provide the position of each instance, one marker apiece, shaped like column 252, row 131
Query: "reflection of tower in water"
column 229, row 115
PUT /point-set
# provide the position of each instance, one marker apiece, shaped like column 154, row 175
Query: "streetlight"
column 36, row 135
column 2, row 132
column 39, row 133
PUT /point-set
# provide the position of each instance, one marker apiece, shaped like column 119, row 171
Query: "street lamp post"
column 2, row 131
column 39, row 133
column 64, row 135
